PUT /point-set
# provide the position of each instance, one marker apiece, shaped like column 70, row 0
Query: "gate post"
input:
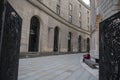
column 2, row 18
column 10, row 33
column 109, row 48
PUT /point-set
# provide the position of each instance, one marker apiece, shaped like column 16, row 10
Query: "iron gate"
column 109, row 52
column 10, row 45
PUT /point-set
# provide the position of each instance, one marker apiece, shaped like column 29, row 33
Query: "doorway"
column 69, row 41
column 88, row 44
column 79, row 44
column 34, row 34
column 56, row 39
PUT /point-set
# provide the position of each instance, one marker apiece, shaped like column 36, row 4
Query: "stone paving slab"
column 59, row 67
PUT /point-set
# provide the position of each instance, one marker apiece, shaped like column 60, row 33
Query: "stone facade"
column 45, row 12
column 100, row 10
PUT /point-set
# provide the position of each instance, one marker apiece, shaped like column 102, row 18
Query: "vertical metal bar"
column 9, row 45
column 2, row 19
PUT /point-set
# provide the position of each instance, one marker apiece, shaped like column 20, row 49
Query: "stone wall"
column 45, row 11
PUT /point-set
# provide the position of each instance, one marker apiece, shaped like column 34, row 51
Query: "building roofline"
column 84, row 4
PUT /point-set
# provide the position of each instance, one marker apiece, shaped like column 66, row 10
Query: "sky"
column 87, row 2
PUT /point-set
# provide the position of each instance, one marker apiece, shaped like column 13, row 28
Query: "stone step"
column 39, row 54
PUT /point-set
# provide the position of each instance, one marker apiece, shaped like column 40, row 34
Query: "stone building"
column 100, row 10
column 53, row 25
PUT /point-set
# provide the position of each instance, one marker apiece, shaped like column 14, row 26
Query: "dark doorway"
column 34, row 34
column 79, row 44
column 56, row 38
column 88, row 44
column 69, row 41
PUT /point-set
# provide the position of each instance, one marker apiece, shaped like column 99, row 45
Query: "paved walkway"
column 60, row 67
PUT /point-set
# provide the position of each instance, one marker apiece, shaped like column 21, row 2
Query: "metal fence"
column 109, row 51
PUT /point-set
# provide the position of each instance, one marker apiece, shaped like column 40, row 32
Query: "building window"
column 79, row 43
column 88, row 44
column 80, row 16
column 80, row 20
column 58, row 10
column 70, row 12
column 58, row 7
column 70, row 7
column 88, row 19
column 70, row 18
column 69, row 42
column 80, row 7
column 88, row 16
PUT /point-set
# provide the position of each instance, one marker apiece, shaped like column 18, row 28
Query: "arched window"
column 58, row 7
column 69, row 42
column 79, row 43
column 34, row 34
column 56, row 38
column 70, row 12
